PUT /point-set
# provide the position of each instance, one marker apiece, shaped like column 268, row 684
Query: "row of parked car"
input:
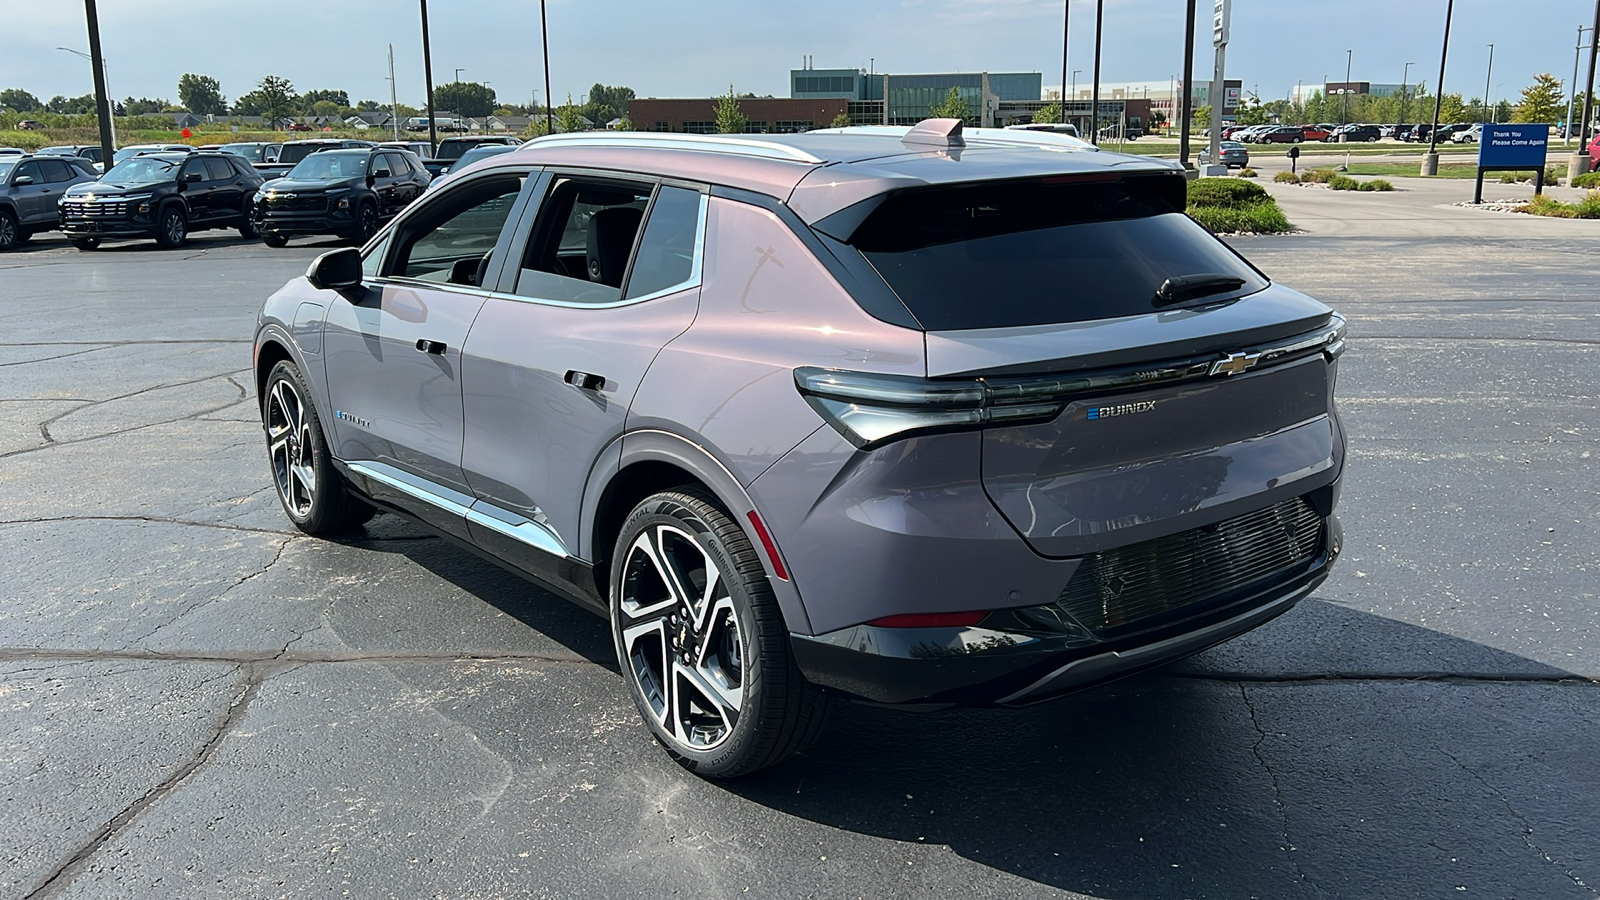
column 1460, row 133
column 270, row 190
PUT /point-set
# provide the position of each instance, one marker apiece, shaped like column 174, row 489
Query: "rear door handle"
column 585, row 381
column 437, row 348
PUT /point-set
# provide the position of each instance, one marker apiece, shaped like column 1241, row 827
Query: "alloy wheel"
column 682, row 640
column 8, row 232
column 289, row 444
column 174, row 228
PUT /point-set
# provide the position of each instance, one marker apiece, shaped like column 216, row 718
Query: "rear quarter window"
column 1037, row 252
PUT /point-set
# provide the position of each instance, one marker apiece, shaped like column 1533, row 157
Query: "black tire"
column 9, row 229
column 275, row 240
column 24, row 235
column 247, row 226
column 312, row 492
column 366, row 224
column 172, row 227
column 681, row 655
column 85, row 243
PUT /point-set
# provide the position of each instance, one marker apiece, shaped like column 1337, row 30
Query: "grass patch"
column 1587, row 208
column 1248, row 172
column 1413, row 170
column 1589, row 180
column 1552, row 177
column 1234, row 206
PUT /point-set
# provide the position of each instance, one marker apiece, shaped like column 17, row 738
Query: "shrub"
column 1286, row 178
column 1265, row 218
column 1589, row 180
column 1230, row 193
column 1552, row 177
column 1343, row 183
column 1587, row 208
column 1318, row 176
column 1248, row 172
column 1376, row 184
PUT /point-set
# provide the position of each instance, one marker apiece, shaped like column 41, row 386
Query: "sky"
column 697, row 48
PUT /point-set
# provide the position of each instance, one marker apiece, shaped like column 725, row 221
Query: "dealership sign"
column 1513, row 146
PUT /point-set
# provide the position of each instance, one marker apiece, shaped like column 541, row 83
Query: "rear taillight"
column 871, row 409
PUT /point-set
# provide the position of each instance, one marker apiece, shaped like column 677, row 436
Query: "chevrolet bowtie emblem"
column 1234, row 363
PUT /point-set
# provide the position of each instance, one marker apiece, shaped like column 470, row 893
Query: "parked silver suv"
column 910, row 416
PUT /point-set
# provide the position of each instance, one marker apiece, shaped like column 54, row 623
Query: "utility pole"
column 1099, row 21
column 1572, row 102
column 549, row 99
column 1344, row 101
column 1404, row 100
column 394, row 97
column 1066, row 22
column 1430, row 162
column 1486, row 79
column 427, row 71
column 1588, row 83
column 104, row 105
column 1221, row 24
column 1186, row 108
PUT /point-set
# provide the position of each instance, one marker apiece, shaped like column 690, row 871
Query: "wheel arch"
column 651, row 461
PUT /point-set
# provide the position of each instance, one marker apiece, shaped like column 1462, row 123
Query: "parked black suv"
column 450, row 150
column 30, row 186
column 162, row 195
column 1351, row 134
column 291, row 152
column 350, row 193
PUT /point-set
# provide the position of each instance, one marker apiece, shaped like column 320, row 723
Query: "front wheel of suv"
column 247, row 227
column 366, row 224
column 701, row 642
column 312, row 491
column 172, row 229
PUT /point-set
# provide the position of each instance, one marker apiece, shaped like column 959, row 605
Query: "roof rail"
column 1049, row 139
column 716, row 143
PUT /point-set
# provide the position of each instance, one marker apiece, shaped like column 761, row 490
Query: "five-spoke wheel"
column 701, row 641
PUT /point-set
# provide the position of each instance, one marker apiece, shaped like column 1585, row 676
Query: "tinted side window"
column 30, row 169
column 397, row 164
column 582, row 240
column 55, row 170
column 380, row 165
column 458, row 232
column 219, row 169
column 193, row 165
column 666, row 257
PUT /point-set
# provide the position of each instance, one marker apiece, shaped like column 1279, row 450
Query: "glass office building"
column 910, row 97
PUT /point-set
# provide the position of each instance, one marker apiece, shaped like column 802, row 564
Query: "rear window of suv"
column 1019, row 253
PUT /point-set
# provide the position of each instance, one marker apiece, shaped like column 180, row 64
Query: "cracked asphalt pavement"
column 198, row 701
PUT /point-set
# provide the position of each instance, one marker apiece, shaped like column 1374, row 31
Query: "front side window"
column 582, row 241
column 193, row 167
column 30, row 169
column 452, row 239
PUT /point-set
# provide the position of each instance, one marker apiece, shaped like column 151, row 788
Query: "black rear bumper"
column 998, row 663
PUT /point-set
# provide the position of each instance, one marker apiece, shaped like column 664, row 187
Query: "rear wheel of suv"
column 86, row 243
column 701, row 642
column 9, row 230
column 172, row 229
column 312, row 491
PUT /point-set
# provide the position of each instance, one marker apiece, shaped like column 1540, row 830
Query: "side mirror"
column 193, row 176
column 336, row 270
column 22, row 180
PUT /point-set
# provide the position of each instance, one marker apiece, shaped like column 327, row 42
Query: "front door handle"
column 437, row 348
column 584, row 381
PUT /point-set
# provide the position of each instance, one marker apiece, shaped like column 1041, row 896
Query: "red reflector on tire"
column 931, row 620
column 768, row 545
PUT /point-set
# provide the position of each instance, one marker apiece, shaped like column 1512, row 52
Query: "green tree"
column 72, row 106
column 275, row 99
column 312, row 98
column 1050, row 114
column 144, row 106
column 1202, row 116
column 569, row 117
column 624, row 124
column 324, row 108
column 1502, row 111
column 1252, row 113
column 1452, row 109
column 606, row 103
column 842, row 120
column 952, row 107
column 369, row 106
column 201, row 95
column 19, row 100
column 729, row 119
column 467, row 98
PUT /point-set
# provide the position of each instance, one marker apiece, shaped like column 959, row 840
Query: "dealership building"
column 817, row 97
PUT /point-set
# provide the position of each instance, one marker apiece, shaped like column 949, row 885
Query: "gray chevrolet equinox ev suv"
column 910, row 416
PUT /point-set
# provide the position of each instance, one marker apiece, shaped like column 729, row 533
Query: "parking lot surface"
column 196, row 700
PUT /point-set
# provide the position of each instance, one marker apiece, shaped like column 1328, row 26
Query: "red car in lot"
column 1315, row 133
column 1594, row 154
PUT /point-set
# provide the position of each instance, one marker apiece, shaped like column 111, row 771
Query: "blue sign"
column 1519, row 146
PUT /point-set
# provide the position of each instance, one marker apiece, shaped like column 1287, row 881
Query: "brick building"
column 764, row 115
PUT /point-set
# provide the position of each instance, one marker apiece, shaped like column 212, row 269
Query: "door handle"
column 437, row 348
column 584, row 381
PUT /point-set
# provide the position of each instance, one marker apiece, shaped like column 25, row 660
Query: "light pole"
column 1186, row 110
column 1099, row 21
column 427, row 71
column 1075, row 83
column 1430, row 163
column 549, row 99
column 1066, row 23
column 111, row 104
column 1577, row 54
column 1405, row 80
column 1344, row 104
column 1486, row 79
